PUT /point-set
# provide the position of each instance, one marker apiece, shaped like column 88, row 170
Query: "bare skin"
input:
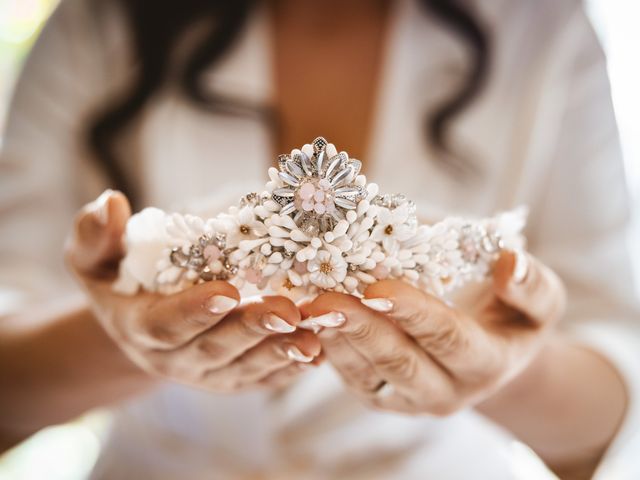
column 339, row 83
column 503, row 357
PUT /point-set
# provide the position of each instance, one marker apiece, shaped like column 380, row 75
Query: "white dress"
column 543, row 134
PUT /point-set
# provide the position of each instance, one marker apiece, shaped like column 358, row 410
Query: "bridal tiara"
column 317, row 226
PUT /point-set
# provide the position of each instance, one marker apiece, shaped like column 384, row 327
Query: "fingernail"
column 221, row 304
column 306, row 325
column 305, row 299
column 294, row 353
column 276, row 324
column 100, row 207
column 383, row 305
column 331, row 319
column 521, row 267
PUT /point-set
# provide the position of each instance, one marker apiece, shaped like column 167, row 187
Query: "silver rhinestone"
column 289, row 179
column 319, row 144
column 178, row 258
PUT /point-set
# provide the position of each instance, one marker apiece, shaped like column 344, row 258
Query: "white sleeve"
column 44, row 172
column 582, row 231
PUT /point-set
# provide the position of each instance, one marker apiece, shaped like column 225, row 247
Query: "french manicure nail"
column 100, row 207
column 221, row 304
column 295, row 354
column 521, row 267
column 383, row 305
column 331, row 319
column 276, row 324
column 308, row 324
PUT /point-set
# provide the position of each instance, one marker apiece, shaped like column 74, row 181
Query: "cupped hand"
column 404, row 350
column 202, row 336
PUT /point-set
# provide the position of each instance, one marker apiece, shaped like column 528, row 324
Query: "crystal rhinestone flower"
column 317, row 226
column 318, row 186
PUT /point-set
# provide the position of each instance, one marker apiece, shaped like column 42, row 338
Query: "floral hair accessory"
column 317, row 226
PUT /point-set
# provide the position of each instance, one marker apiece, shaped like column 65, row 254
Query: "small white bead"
column 276, row 231
column 273, row 175
column 270, row 269
column 277, row 242
column 363, row 206
column 295, row 277
column 265, row 249
column 341, row 228
column 356, row 259
column 298, row 236
column 350, row 283
column 369, row 264
column 276, row 258
column 291, row 246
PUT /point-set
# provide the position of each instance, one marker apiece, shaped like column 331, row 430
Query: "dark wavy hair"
column 155, row 34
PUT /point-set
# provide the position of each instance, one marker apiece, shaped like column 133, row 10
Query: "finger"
column 95, row 246
column 269, row 356
column 357, row 372
column 527, row 285
column 393, row 355
column 285, row 376
column 451, row 338
column 174, row 320
column 243, row 329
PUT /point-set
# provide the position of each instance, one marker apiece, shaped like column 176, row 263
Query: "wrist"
column 567, row 405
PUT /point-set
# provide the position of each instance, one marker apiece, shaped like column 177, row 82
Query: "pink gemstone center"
column 211, row 253
column 315, row 196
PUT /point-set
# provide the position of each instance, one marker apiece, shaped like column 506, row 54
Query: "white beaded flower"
column 242, row 225
column 393, row 227
column 327, row 270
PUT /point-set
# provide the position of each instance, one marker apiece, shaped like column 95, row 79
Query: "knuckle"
column 198, row 321
column 158, row 336
column 356, row 370
column 183, row 305
column 444, row 340
column 401, row 365
column 207, row 348
column 162, row 369
column 362, row 332
column 249, row 327
column 413, row 320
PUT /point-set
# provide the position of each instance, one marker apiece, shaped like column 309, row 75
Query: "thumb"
column 527, row 285
column 95, row 245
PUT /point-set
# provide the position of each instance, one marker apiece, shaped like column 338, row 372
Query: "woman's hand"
column 404, row 350
column 201, row 336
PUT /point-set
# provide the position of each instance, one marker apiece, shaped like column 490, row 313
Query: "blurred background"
column 69, row 451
